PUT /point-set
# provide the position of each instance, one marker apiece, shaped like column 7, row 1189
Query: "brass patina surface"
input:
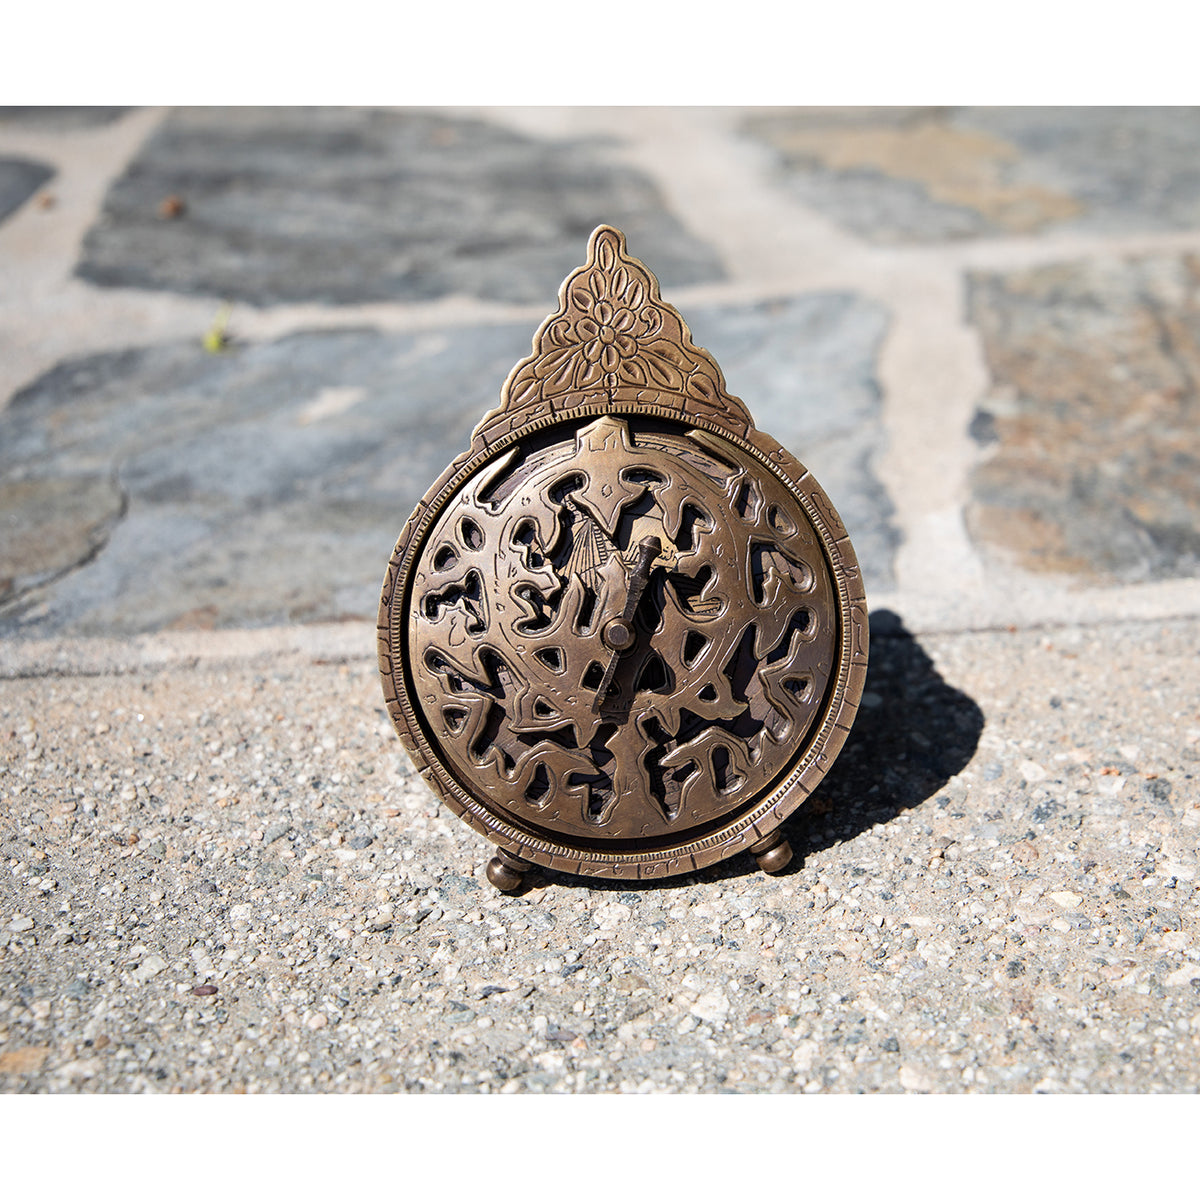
column 625, row 633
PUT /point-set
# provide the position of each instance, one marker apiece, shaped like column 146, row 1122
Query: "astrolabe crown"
column 614, row 337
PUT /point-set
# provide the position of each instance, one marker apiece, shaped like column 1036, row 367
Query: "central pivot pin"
column 617, row 634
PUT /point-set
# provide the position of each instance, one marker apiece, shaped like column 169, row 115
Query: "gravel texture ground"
column 227, row 877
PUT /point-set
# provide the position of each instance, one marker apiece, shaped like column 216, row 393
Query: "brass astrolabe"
column 624, row 634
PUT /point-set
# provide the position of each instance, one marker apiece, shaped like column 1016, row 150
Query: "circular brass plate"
column 698, row 739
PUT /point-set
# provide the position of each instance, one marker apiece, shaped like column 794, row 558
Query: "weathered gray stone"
column 60, row 116
column 1092, row 429
column 244, row 504
column 346, row 206
column 270, row 483
column 807, row 369
column 51, row 525
column 918, row 175
column 19, row 179
column 1126, row 168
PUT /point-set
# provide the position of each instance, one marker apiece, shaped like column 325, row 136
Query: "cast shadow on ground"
column 913, row 733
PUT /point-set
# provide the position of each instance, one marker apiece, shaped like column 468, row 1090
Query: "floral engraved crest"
column 614, row 334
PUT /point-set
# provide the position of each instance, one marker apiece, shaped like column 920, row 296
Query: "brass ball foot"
column 773, row 853
column 507, row 872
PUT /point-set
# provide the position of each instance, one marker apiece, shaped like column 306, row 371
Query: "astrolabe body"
column 624, row 634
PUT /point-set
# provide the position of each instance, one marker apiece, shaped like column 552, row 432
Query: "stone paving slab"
column 926, row 175
column 808, row 368
column 1091, row 429
column 350, row 206
column 170, row 488
column 59, row 117
column 20, row 178
column 258, row 486
column 228, row 878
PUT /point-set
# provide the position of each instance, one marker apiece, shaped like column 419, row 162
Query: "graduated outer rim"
column 776, row 804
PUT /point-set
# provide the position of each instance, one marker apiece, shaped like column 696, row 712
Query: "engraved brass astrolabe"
column 625, row 633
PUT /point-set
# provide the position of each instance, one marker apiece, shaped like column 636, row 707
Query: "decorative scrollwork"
column 518, row 616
